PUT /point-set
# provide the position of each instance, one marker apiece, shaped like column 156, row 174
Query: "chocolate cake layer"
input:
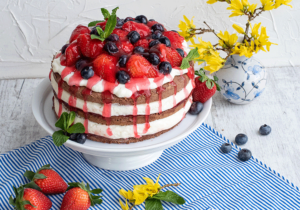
column 168, row 90
column 124, row 120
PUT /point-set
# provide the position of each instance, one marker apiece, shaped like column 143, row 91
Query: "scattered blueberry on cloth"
column 209, row 178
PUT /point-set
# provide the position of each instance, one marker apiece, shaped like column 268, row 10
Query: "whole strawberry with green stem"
column 47, row 180
column 205, row 87
column 29, row 199
column 79, row 196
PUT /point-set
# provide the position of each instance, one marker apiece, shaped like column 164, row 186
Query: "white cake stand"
column 118, row 157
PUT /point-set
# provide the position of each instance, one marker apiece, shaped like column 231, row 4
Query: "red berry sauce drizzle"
column 138, row 86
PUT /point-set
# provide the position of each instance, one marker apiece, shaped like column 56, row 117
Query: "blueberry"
column 154, row 59
column 123, row 60
column 138, row 49
column 241, row 139
column 265, row 130
column 87, row 72
column 128, row 19
column 94, row 31
column 165, row 68
column 142, row 19
column 151, row 20
column 156, row 34
column 175, row 31
column 81, row 63
column 133, row 36
column 153, row 43
column 120, row 23
column 180, row 51
column 226, row 148
column 165, row 40
column 81, row 138
column 111, row 47
column 63, row 49
column 113, row 38
column 244, row 154
column 73, row 136
column 157, row 26
column 122, row 77
column 196, row 108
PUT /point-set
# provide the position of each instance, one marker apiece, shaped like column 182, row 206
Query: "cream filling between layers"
column 127, row 131
column 120, row 90
column 117, row 110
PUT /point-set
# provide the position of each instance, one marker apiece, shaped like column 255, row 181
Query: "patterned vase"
column 242, row 79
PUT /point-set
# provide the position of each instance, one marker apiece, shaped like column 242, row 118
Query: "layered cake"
column 127, row 87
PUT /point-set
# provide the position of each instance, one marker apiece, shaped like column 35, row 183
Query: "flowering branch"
column 169, row 185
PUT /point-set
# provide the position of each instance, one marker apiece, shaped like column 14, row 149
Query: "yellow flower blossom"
column 211, row 1
column 267, row 4
column 252, row 7
column 254, row 30
column 124, row 206
column 238, row 28
column 214, row 63
column 278, row 3
column 240, row 7
column 128, row 195
column 187, row 28
column 227, row 39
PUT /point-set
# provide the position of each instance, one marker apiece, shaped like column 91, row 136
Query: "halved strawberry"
column 89, row 47
column 152, row 73
column 173, row 57
column 151, row 23
column 121, row 33
column 101, row 24
column 105, row 67
column 139, row 67
column 160, row 50
column 80, row 29
column 125, row 46
column 143, row 43
column 72, row 53
column 175, row 38
column 141, row 28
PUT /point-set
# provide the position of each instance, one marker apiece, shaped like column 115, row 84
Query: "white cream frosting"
column 120, row 90
column 127, row 131
column 117, row 110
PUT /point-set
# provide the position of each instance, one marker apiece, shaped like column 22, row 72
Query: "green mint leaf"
column 114, row 11
column 76, row 128
column 93, row 36
column 29, row 175
column 59, row 138
column 105, row 13
column 199, row 60
column 62, row 121
column 110, row 25
column 185, row 63
column 96, row 191
column 93, row 23
column 169, row 196
column 70, row 119
column 153, row 204
column 193, row 54
column 100, row 31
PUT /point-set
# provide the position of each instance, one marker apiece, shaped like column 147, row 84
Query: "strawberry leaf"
column 29, row 175
column 93, row 23
column 96, row 191
column 59, row 138
column 33, row 185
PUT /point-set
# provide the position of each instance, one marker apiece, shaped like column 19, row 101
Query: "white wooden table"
column 278, row 106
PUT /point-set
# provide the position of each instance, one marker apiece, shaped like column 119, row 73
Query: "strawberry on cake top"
column 123, row 79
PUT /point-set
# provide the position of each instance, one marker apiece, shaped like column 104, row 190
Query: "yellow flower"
column 227, row 39
column 214, row 63
column 240, row 7
column 254, row 30
column 128, row 195
column 124, row 207
column 187, row 28
column 252, row 7
column 278, row 3
column 267, row 4
column 211, row 1
column 238, row 28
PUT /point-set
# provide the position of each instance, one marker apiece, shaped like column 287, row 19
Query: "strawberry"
column 152, row 73
column 102, row 24
column 160, row 50
column 80, row 197
column 141, row 28
column 143, row 43
column 29, row 199
column 173, row 57
column 121, row 33
column 205, row 87
column 105, row 67
column 72, row 53
column 125, row 46
column 175, row 38
column 80, row 29
column 139, row 67
column 49, row 181
column 151, row 23
column 89, row 47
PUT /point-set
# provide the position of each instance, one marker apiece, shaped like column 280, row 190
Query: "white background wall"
column 31, row 31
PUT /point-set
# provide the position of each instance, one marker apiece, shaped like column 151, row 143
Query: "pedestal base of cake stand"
column 122, row 163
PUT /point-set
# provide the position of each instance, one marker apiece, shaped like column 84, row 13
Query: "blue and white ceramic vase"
column 242, row 79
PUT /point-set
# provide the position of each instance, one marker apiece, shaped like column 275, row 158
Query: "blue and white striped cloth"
column 209, row 179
